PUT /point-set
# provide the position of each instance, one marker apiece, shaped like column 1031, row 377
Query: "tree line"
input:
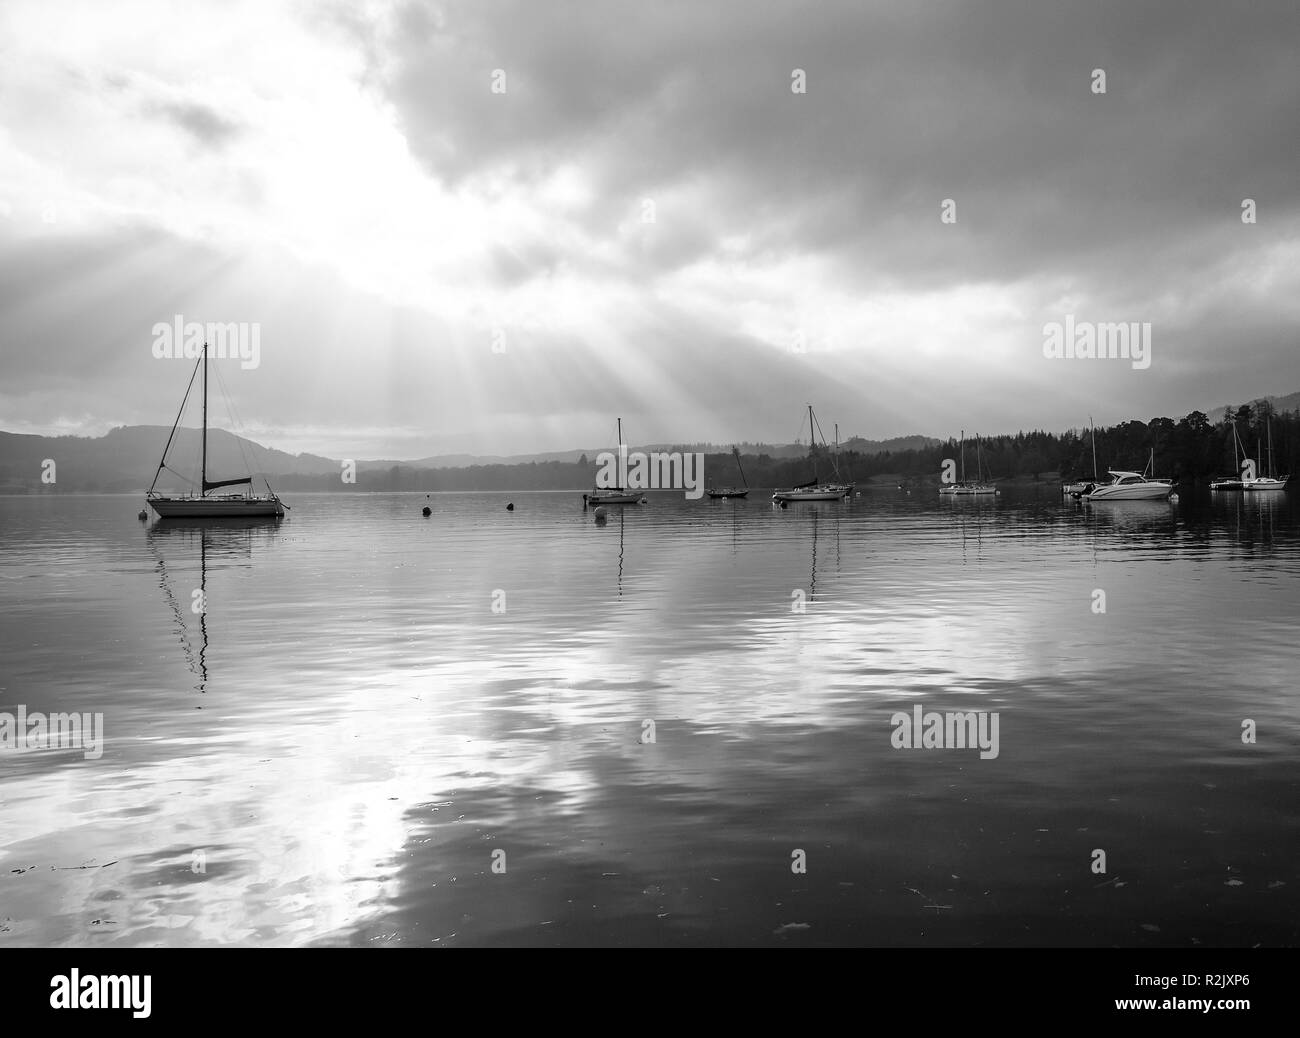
column 1191, row 448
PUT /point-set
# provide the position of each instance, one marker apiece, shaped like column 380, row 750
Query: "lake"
column 359, row 726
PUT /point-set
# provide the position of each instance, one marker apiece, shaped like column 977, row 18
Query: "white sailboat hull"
column 822, row 493
column 216, row 507
column 971, row 490
column 1263, row 483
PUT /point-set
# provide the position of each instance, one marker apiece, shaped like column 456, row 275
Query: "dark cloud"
column 988, row 104
column 204, row 124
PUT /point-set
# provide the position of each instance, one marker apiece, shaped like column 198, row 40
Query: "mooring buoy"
column 510, row 507
column 143, row 515
column 426, row 511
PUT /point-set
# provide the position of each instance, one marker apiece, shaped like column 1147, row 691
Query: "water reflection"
column 371, row 730
column 183, row 539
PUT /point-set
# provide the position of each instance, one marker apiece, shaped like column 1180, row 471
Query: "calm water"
column 334, row 749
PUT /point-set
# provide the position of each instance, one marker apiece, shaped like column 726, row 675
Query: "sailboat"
column 1235, row 482
column 815, row 489
column 613, row 495
column 963, row 489
column 1269, row 482
column 1078, row 487
column 205, row 505
column 726, row 492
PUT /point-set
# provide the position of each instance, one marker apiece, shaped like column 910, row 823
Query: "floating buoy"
column 510, row 507
column 427, row 511
column 584, row 502
column 143, row 515
column 601, row 513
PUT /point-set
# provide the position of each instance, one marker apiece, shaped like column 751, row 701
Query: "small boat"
column 614, row 495
column 1131, row 486
column 204, row 505
column 722, row 493
column 1269, row 482
column 814, row 489
column 1235, row 482
column 962, row 488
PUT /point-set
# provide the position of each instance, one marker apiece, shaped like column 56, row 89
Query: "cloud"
column 203, row 123
column 650, row 215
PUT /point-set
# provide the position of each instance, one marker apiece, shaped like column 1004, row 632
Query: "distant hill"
column 1283, row 404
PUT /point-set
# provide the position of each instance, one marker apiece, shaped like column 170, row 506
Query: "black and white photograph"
column 740, row 474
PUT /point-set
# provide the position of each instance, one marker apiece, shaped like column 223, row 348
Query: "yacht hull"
column 1263, row 483
column 1140, row 492
column 216, row 507
column 813, row 494
column 613, row 499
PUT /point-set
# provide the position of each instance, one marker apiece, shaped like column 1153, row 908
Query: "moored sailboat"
column 962, row 488
column 205, row 505
column 1235, row 483
column 717, row 493
column 613, row 495
column 1077, row 488
column 814, row 489
column 1271, row 481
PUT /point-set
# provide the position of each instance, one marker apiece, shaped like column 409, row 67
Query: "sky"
column 494, row 227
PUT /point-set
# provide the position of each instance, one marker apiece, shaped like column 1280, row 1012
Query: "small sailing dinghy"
column 722, row 493
column 205, row 505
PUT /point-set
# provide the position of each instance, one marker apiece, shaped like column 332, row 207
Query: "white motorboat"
column 1130, row 486
column 204, row 505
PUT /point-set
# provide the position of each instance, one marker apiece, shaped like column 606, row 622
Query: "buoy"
column 584, row 502
column 510, row 507
column 427, row 511
column 601, row 512
column 143, row 515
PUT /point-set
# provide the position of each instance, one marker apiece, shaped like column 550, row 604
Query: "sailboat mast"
column 203, row 465
column 812, row 441
column 736, row 452
column 963, row 455
column 1270, row 448
column 1094, row 448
